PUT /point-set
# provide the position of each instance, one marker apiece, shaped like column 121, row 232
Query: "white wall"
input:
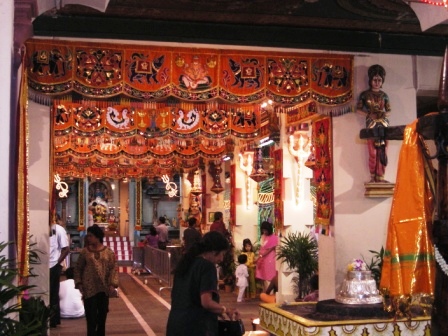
column 6, row 31
column 360, row 223
column 39, row 186
column 246, row 209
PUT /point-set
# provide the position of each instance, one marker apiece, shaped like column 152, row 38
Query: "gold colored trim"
column 269, row 310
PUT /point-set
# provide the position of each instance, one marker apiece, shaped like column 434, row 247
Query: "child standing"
column 248, row 250
column 241, row 276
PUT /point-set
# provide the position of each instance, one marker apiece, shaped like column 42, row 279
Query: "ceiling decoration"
column 98, row 139
column 154, row 73
column 430, row 13
column 384, row 26
column 151, row 111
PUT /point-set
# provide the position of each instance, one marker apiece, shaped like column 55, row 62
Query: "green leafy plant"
column 300, row 252
column 35, row 313
column 228, row 268
column 376, row 264
column 28, row 316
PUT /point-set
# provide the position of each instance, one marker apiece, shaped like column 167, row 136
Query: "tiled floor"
column 141, row 311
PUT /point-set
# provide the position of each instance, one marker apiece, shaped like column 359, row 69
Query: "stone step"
column 121, row 246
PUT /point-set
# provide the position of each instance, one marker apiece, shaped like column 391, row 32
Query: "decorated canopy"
column 154, row 73
column 134, row 140
column 143, row 110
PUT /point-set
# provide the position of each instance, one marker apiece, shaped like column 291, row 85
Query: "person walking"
column 96, row 277
column 195, row 306
column 59, row 249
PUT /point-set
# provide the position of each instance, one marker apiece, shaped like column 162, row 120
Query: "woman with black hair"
column 195, row 303
column 265, row 269
column 96, row 277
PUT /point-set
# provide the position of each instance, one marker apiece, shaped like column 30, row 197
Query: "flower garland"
column 439, row 258
column 357, row 265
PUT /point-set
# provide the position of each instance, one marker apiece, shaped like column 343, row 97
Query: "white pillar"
column 6, row 32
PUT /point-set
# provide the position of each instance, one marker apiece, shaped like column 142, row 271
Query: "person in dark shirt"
column 218, row 224
column 191, row 234
column 195, row 300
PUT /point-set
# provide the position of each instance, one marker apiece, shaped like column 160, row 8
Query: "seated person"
column 313, row 295
column 267, row 297
column 70, row 298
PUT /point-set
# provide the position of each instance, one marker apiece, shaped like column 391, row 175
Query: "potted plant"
column 32, row 311
column 299, row 251
column 376, row 265
column 228, row 270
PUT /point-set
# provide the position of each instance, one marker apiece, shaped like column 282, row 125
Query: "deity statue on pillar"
column 375, row 104
column 195, row 211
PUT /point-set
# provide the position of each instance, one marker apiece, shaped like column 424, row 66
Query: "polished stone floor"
column 140, row 310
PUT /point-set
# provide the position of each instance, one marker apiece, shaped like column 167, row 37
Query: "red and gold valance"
column 154, row 73
column 94, row 138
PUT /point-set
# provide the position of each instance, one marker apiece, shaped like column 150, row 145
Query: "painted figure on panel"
column 375, row 104
column 195, row 212
column 195, row 75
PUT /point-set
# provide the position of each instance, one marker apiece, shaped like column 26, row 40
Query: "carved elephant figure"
column 330, row 75
column 242, row 118
column 247, row 74
column 140, row 69
column 49, row 63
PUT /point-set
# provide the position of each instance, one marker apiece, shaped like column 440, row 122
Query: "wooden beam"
column 389, row 133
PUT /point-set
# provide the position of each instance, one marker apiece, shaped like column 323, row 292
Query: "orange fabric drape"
column 22, row 214
column 155, row 73
column 408, row 264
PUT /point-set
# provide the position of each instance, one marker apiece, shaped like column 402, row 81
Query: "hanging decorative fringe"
column 334, row 111
column 290, row 79
column 40, row 98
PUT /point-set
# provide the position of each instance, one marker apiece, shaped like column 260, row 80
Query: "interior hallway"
column 140, row 310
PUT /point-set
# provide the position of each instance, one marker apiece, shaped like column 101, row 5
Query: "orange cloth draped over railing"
column 408, row 264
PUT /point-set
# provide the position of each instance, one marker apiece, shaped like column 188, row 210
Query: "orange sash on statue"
column 408, row 264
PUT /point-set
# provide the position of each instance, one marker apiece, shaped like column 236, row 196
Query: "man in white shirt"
column 70, row 298
column 59, row 249
column 162, row 231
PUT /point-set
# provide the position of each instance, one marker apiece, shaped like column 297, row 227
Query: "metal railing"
column 158, row 263
column 138, row 261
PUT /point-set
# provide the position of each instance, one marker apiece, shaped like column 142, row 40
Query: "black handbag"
column 230, row 328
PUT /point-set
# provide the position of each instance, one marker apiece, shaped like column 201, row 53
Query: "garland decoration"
column 440, row 260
